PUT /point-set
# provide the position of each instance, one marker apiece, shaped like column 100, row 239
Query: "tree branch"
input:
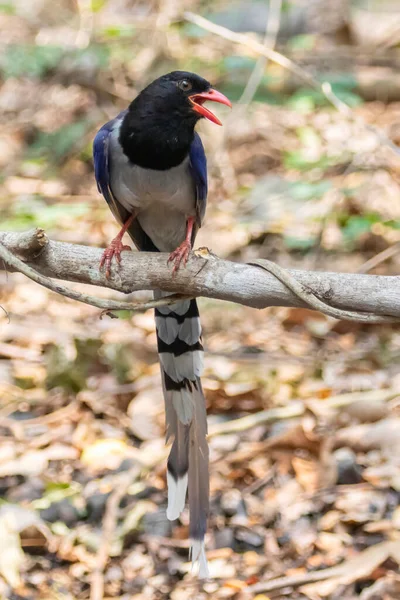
column 28, row 243
column 205, row 275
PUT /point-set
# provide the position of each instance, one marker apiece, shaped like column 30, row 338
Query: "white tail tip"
column 198, row 556
column 176, row 496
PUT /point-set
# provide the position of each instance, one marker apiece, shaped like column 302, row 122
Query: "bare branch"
column 27, row 244
column 206, row 275
column 269, row 41
column 106, row 305
column 310, row 298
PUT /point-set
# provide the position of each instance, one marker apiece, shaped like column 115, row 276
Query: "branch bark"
column 205, row 275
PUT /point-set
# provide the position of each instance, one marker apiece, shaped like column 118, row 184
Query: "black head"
column 159, row 127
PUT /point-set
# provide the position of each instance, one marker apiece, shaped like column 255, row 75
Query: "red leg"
column 115, row 248
column 182, row 252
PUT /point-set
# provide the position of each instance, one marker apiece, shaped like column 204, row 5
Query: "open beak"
column 198, row 100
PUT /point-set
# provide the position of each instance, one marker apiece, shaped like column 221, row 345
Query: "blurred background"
column 292, row 180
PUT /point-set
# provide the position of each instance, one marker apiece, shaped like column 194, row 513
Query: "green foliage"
column 193, row 31
column 301, row 244
column 236, row 70
column 394, row 224
column 119, row 31
column 308, row 136
column 7, row 8
column 119, row 358
column 56, row 145
column 235, row 90
column 347, row 96
column 55, row 492
column 71, row 375
column 33, row 211
column 125, row 315
column 354, row 226
column 300, row 159
column 237, row 62
column 297, row 160
column 302, row 190
column 96, row 55
column 29, row 60
column 97, row 5
column 301, row 102
column 304, row 41
column 342, row 86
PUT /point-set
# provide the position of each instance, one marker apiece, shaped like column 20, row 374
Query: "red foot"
column 114, row 249
column 180, row 254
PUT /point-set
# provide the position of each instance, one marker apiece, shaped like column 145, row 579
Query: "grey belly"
column 165, row 227
column 163, row 200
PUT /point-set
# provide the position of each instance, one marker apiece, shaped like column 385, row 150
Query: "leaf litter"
column 303, row 411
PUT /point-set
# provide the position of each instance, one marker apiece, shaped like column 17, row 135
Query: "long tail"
column 181, row 357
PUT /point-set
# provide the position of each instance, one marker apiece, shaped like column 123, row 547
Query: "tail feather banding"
column 181, row 357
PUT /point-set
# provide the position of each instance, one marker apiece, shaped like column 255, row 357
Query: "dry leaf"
column 11, row 554
column 354, row 569
column 143, row 412
column 105, row 454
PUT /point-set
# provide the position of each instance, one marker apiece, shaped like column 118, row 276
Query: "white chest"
column 140, row 189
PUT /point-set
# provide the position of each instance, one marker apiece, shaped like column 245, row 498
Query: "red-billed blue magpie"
column 151, row 168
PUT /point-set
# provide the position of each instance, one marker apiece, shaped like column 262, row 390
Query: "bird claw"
column 114, row 249
column 180, row 254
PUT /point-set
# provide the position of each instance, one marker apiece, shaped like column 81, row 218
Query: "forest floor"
column 305, row 501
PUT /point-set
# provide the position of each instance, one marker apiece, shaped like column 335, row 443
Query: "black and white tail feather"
column 181, row 357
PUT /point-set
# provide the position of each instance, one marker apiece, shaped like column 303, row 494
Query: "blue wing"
column 198, row 169
column 101, row 155
column 101, row 160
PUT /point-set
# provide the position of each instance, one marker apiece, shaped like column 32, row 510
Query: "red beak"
column 198, row 99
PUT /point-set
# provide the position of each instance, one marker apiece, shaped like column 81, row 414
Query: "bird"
column 151, row 168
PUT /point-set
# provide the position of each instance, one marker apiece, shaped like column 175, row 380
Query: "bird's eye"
column 185, row 85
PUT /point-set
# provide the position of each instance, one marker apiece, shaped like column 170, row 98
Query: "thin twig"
column 325, row 88
column 291, row 411
column 105, row 305
column 379, row 258
column 6, row 313
column 277, row 57
column 86, row 22
column 222, row 156
column 297, row 408
column 269, row 41
column 356, row 567
column 294, row 581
